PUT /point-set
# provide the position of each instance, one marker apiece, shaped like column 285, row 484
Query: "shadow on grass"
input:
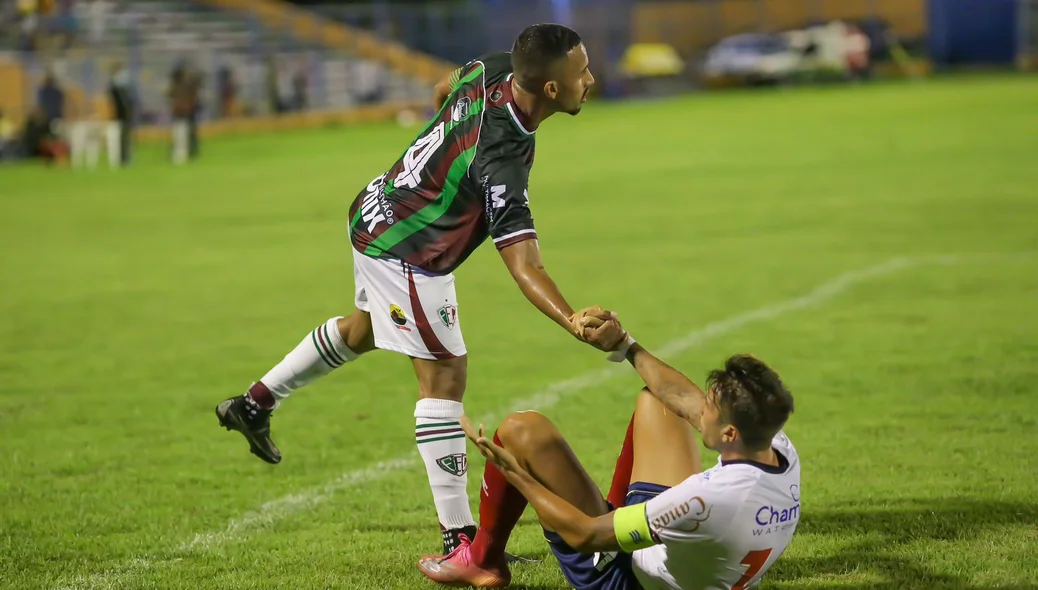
column 883, row 529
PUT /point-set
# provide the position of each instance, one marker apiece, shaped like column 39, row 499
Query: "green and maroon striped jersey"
column 462, row 180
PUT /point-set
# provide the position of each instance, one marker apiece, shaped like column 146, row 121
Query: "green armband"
column 631, row 526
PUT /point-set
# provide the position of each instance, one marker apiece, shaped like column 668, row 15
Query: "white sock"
column 320, row 353
column 441, row 443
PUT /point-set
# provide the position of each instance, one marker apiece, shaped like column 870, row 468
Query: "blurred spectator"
column 858, row 47
column 184, row 90
column 300, row 89
column 277, row 104
column 51, row 98
column 194, row 79
column 7, row 138
column 227, row 89
column 367, row 83
column 122, row 95
column 40, row 141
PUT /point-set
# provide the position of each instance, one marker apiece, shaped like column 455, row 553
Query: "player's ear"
column 551, row 89
column 729, row 434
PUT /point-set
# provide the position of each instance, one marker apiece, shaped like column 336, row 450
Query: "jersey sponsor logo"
column 399, row 317
column 775, row 519
column 691, row 513
column 375, row 208
column 496, row 198
column 488, row 206
column 770, row 515
column 794, row 492
column 449, row 315
column 456, row 464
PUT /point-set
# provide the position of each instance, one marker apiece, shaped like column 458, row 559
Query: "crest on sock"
column 455, row 464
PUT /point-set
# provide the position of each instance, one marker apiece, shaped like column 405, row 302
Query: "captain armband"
column 631, row 526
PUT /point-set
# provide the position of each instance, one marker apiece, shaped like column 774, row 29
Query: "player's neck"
column 533, row 110
column 766, row 457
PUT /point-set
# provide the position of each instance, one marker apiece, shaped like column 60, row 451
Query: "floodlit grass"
column 134, row 301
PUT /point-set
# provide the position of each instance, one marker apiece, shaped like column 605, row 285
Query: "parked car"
column 753, row 57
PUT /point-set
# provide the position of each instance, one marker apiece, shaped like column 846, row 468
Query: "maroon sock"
column 500, row 506
column 260, row 394
column 622, row 474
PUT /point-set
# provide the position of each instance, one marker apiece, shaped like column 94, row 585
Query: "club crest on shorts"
column 449, row 315
column 456, row 464
column 397, row 315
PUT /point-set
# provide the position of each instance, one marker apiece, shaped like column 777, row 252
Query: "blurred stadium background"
column 314, row 62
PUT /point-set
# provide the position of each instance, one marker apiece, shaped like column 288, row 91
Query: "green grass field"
column 877, row 245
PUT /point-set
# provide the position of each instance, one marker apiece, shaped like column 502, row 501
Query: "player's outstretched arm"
column 586, row 534
column 524, row 263
column 676, row 391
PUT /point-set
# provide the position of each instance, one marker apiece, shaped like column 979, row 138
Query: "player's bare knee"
column 647, row 402
column 527, row 431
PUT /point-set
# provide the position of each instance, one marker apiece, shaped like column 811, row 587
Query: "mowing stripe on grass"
column 281, row 508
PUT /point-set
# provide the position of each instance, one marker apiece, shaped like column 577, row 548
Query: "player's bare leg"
column 666, row 449
column 662, row 446
column 441, row 443
column 326, row 348
column 541, row 449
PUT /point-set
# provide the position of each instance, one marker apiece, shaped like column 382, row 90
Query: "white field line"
column 306, row 499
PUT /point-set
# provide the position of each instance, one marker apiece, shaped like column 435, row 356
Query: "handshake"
column 598, row 327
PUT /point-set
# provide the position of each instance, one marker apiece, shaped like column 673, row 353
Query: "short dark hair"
column 752, row 398
column 536, row 49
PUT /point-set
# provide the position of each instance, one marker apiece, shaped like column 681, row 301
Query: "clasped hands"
column 598, row 327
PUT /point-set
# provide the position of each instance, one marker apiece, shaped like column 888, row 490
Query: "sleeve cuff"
column 514, row 238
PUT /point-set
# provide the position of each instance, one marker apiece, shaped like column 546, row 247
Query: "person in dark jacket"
column 51, row 98
column 120, row 92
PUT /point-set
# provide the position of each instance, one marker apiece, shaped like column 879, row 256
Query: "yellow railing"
column 13, row 90
column 308, row 26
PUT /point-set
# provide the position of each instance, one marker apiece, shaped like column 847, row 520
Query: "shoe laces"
column 463, row 542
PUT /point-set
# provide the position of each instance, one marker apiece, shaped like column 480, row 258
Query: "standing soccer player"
column 464, row 179
column 666, row 525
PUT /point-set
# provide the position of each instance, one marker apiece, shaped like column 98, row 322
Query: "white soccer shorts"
column 412, row 312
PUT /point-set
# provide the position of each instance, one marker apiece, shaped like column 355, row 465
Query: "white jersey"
column 722, row 528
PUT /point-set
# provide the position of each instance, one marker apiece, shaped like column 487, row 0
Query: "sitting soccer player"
column 665, row 525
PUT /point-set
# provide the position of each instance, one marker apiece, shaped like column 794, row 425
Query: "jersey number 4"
column 418, row 156
column 754, row 562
